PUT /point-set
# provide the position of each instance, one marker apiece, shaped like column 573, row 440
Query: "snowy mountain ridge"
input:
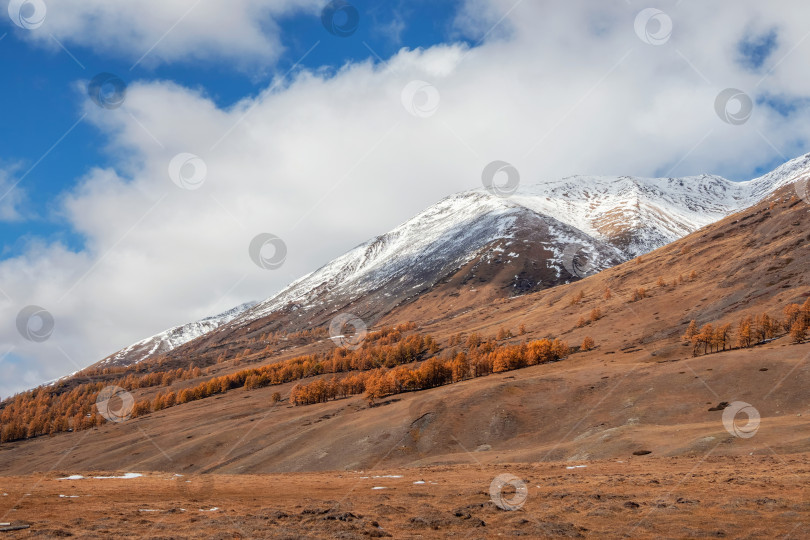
column 451, row 233
column 172, row 338
column 631, row 214
column 613, row 218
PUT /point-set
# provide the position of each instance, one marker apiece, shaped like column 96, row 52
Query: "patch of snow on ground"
column 127, row 476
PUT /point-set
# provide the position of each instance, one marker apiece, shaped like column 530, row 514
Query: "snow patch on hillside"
column 172, row 338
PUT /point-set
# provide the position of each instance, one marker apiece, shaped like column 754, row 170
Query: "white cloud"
column 12, row 196
column 241, row 31
column 326, row 162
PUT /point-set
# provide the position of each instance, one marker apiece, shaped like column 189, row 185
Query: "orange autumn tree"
column 798, row 331
column 691, row 331
column 434, row 372
column 745, row 332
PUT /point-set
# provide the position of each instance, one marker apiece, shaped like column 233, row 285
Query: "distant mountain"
column 638, row 215
column 416, row 255
column 516, row 244
column 640, row 390
column 613, row 218
column 172, row 338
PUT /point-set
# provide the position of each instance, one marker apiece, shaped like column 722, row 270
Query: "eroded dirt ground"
column 638, row 497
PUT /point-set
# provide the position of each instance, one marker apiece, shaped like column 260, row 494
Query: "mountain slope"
column 606, row 220
column 640, row 389
column 638, row 215
column 172, row 338
column 415, row 255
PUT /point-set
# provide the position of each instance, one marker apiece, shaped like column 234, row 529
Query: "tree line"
column 750, row 330
column 379, row 367
column 70, row 405
column 482, row 358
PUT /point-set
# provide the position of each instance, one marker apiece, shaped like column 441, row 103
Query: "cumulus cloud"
column 327, row 161
column 154, row 31
column 12, row 196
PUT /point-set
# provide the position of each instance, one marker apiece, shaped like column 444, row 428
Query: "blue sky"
column 44, row 89
column 327, row 141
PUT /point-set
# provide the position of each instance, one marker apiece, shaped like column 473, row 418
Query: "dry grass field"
column 763, row 496
column 628, row 440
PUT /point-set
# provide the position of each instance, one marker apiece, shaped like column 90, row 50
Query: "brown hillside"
column 639, row 389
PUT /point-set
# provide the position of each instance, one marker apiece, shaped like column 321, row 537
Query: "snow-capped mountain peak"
column 613, row 218
column 631, row 215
